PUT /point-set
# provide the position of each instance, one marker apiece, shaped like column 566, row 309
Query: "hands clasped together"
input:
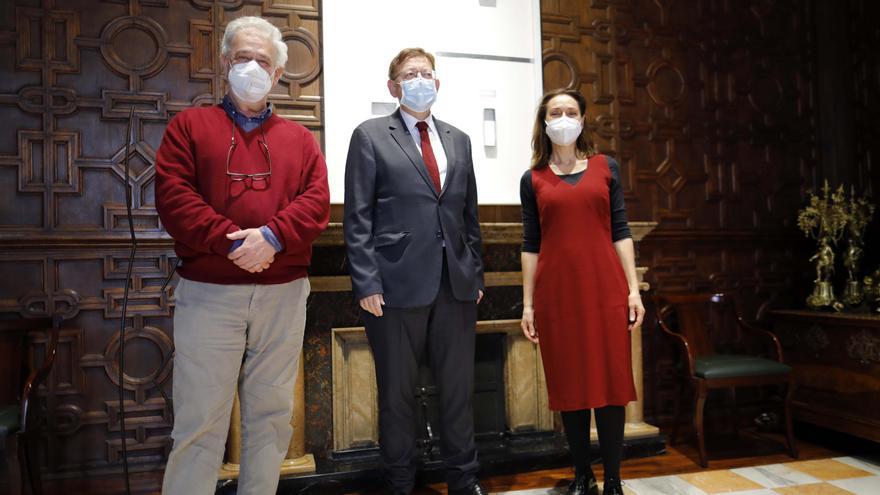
column 255, row 254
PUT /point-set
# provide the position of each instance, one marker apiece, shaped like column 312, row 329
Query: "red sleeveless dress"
column 581, row 293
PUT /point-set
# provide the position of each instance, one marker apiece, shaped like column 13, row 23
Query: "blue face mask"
column 418, row 94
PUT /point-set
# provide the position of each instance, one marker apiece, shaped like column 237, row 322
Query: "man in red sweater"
column 244, row 194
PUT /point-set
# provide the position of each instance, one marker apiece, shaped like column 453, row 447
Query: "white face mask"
column 564, row 130
column 418, row 94
column 249, row 82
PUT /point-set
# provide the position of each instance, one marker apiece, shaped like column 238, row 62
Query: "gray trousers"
column 228, row 336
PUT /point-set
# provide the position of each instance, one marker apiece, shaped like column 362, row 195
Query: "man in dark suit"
column 413, row 241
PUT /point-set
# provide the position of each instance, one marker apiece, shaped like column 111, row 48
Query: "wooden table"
column 836, row 359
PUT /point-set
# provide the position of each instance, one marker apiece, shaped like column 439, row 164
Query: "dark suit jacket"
column 395, row 222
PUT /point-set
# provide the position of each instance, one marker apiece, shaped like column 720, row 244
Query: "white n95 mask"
column 564, row 130
column 249, row 82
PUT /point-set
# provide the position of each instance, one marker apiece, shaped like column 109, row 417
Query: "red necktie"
column 428, row 155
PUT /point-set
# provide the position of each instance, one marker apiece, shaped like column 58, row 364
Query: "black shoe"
column 474, row 489
column 583, row 485
column 612, row 488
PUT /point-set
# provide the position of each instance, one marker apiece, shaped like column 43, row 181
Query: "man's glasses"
column 412, row 74
column 259, row 180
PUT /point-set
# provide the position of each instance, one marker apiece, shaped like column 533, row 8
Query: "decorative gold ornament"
column 858, row 215
column 824, row 220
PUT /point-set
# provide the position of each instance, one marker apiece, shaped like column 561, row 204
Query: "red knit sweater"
column 198, row 205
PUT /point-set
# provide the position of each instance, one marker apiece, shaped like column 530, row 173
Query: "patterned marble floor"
column 837, row 476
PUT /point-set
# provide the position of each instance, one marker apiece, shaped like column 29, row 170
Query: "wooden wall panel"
column 72, row 70
column 866, row 92
column 865, row 71
column 708, row 105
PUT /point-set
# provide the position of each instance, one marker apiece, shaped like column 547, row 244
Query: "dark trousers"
column 445, row 331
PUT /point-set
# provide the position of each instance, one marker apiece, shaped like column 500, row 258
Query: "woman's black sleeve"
column 619, row 225
column 531, row 224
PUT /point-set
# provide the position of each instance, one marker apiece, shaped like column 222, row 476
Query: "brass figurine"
column 858, row 214
column 824, row 220
column 824, row 258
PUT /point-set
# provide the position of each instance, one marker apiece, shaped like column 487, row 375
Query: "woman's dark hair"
column 541, row 145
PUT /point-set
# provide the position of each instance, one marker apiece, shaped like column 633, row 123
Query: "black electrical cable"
column 125, row 306
column 170, row 275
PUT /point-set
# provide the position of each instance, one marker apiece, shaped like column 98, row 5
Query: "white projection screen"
column 488, row 57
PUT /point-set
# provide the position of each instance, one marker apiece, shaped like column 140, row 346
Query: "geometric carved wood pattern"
column 72, row 71
column 707, row 105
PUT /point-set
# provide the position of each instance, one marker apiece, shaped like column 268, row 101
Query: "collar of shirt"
column 242, row 120
column 411, row 122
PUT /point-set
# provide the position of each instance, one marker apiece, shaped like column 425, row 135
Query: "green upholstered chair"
column 690, row 320
column 20, row 424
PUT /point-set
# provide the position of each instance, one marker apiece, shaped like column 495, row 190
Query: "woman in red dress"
column 580, row 291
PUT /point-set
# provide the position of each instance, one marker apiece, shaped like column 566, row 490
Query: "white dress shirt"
column 436, row 144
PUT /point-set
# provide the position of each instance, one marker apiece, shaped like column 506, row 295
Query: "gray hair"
column 261, row 25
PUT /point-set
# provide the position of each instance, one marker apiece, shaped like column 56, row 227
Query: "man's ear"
column 394, row 89
column 277, row 75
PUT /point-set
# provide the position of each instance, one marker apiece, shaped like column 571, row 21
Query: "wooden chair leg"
column 789, row 434
column 32, row 460
column 676, row 413
column 13, row 464
column 699, row 406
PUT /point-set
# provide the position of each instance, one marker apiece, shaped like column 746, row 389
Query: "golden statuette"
column 858, row 215
column 824, row 219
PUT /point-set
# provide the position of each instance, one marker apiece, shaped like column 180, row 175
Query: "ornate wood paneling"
column 72, row 72
column 865, row 71
column 707, row 105
column 866, row 92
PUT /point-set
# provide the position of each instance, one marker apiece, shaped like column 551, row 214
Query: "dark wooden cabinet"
column 836, row 359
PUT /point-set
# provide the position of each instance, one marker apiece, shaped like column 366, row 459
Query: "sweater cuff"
column 224, row 245
column 270, row 237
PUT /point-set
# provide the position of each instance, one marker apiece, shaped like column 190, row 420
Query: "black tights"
column 609, row 424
